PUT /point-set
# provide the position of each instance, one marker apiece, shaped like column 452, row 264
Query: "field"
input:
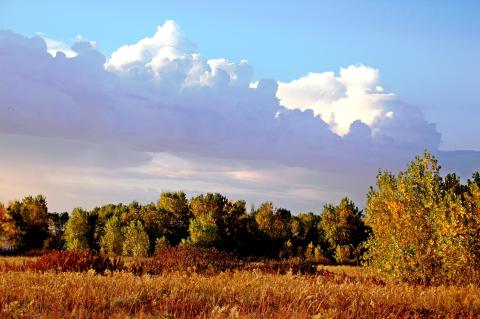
column 336, row 292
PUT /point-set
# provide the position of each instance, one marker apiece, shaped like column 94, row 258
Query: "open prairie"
column 335, row 292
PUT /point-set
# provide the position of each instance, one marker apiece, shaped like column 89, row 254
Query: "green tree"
column 208, row 204
column 155, row 222
column 418, row 226
column 30, row 217
column 112, row 240
column 136, row 241
column 175, row 209
column 344, row 230
column 274, row 223
column 203, row 231
column 56, row 230
column 78, row 230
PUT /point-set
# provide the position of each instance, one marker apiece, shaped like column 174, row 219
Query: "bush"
column 69, row 261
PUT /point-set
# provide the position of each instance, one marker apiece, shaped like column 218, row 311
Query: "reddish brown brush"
column 182, row 258
column 68, row 261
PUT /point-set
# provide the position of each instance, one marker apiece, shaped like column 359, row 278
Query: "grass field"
column 351, row 292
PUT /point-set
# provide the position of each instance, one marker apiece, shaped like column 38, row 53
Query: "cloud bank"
column 158, row 101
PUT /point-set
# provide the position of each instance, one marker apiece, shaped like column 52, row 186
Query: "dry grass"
column 350, row 293
column 16, row 260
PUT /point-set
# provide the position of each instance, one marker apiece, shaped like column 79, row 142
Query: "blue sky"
column 398, row 60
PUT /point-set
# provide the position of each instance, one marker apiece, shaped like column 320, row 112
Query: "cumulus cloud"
column 161, row 96
column 340, row 100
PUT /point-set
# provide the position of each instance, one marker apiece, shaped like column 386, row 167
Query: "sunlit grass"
column 240, row 294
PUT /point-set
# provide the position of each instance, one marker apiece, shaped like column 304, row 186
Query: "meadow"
column 248, row 292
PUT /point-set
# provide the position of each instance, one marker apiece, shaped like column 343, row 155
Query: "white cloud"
column 339, row 100
column 168, row 57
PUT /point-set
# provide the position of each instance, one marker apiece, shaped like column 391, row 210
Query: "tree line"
column 207, row 221
column 418, row 226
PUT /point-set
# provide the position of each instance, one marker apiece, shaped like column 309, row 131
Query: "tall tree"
column 175, row 209
column 30, row 217
column 344, row 230
column 204, row 232
column 112, row 240
column 472, row 217
column 274, row 223
column 136, row 241
column 9, row 233
column 78, row 230
column 56, row 230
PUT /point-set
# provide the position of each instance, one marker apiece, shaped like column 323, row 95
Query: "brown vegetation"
column 191, row 285
column 238, row 294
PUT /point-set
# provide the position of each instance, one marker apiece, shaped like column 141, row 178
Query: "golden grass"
column 15, row 260
column 242, row 294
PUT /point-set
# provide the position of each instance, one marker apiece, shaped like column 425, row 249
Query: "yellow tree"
column 419, row 233
column 8, row 230
column 472, row 205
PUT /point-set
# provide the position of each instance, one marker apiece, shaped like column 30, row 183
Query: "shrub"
column 69, row 261
column 161, row 243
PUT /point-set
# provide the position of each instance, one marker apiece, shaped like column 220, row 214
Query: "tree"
column 78, row 230
column 344, row 230
column 208, row 204
column 112, row 240
column 274, row 223
column 203, row 231
column 9, row 232
column 136, row 241
column 236, row 228
column 56, row 230
column 174, row 206
column 472, row 220
column 155, row 223
column 418, row 226
column 30, row 217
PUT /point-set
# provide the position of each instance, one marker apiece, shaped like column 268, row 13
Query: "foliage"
column 174, row 206
column 112, row 241
column 419, row 229
column 136, row 241
column 24, row 224
column 161, row 243
column 78, row 230
column 68, row 261
column 203, row 231
column 344, row 230
column 56, row 229
column 8, row 229
column 274, row 225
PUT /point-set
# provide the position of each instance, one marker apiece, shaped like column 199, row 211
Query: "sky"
column 299, row 103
